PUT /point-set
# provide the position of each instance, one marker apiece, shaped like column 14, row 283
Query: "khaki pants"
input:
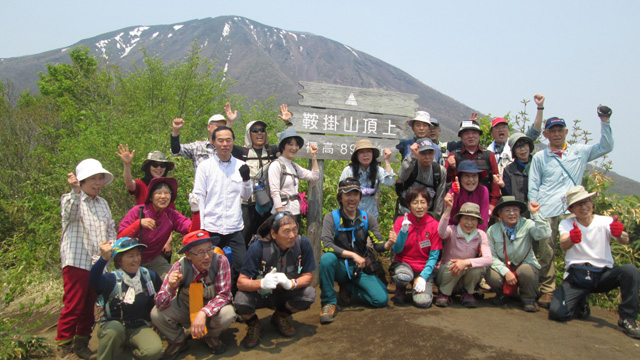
column 173, row 319
column 113, row 335
column 160, row 265
column 527, row 281
column 546, row 255
column 466, row 280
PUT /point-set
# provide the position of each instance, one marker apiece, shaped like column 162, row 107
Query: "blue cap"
column 425, row 144
column 125, row 244
column 468, row 166
column 553, row 121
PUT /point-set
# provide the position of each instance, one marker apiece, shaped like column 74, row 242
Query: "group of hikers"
column 467, row 218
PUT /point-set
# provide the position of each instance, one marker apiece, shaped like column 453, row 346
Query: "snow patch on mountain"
column 138, row 31
column 353, row 52
column 177, row 27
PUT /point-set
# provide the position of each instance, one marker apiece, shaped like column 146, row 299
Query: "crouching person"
column 197, row 294
column 515, row 268
column 276, row 274
column 590, row 265
column 465, row 257
column 127, row 295
column 344, row 235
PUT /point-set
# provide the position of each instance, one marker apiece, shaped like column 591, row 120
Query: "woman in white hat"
column 86, row 223
column 365, row 167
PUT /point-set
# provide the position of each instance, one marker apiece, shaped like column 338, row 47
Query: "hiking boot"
column 444, row 300
column 630, row 327
column 81, row 347
column 545, row 301
column 282, row 321
column 344, row 296
column 529, row 306
column 585, row 311
column 499, row 299
column 254, row 329
column 173, row 350
column 469, row 301
column 214, row 344
column 65, row 352
column 399, row 298
column 328, row 313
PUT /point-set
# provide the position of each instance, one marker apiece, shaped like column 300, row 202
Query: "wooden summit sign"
column 335, row 117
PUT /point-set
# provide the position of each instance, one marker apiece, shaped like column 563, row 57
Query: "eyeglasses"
column 511, row 210
column 258, row 130
column 203, row 253
column 158, row 164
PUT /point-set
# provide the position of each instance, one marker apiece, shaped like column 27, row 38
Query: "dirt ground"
column 487, row 332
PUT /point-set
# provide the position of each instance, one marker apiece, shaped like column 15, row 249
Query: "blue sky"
column 487, row 54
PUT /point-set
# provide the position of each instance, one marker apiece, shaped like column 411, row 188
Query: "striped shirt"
column 221, row 286
column 197, row 151
column 86, row 223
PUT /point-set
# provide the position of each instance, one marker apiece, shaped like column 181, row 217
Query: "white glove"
column 420, row 285
column 284, row 281
column 405, row 224
column 194, row 202
column 270, row 281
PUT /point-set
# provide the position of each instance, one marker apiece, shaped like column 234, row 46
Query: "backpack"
column 262, row 192
column 336, row 225
column 437, row 178
column 117, row 290
column 267, row 254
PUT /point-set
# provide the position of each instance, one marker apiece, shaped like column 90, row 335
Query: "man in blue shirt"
column 553, row 172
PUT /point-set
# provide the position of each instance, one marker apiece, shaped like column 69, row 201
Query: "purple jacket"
column 479, row 196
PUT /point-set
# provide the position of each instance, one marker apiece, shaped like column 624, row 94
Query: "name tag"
column 424, row 243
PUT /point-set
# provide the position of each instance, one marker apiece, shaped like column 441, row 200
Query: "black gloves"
column 604, row 111
column 244, row 172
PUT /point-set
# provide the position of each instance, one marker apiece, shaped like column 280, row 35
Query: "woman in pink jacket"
column 466, row 254
column 153, row 222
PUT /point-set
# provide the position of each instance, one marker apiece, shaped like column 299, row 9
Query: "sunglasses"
column 158, row 164
column 280, row 215
column 258, row 130
column 127, row 243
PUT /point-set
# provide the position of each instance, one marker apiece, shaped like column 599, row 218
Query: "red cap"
column 498, row 121
column 194, row 238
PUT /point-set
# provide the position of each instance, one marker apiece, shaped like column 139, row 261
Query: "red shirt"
column 422, row 238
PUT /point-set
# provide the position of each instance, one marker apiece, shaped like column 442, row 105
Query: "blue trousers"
column 366, row 288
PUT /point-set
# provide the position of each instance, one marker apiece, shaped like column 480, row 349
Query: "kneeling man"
column 195, row 293
column 590, row 266
column 275, row 274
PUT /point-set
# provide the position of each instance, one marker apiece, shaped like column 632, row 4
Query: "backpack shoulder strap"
column 336, row 220
column 437, row 174
column 365, row 220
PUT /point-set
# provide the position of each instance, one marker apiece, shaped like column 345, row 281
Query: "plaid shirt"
column 222, row 287
column 198, row 151
column 86, row 223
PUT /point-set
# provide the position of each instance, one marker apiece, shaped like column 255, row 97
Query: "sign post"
column 335, row 117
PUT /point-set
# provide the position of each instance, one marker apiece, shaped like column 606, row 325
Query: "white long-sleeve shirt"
column 219, row 186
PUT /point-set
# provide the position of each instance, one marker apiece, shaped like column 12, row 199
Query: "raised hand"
column 455, row 186
column 194, row 202
column 313, row 149
column 539, row 100
column 125, row 155
column 73, row 181
column 616, row 227
column 387, row 154
column 245, row 172
column 534, row 207
column 474, row 116
column 177, row 124
column 405, row 223
column 414, row 150
column 285, row 114
column 448, row 200
column 231, row 115
column 106, row 249
column 575, row 234
column 604, row 112
column 498, row 180
column 174, row 279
